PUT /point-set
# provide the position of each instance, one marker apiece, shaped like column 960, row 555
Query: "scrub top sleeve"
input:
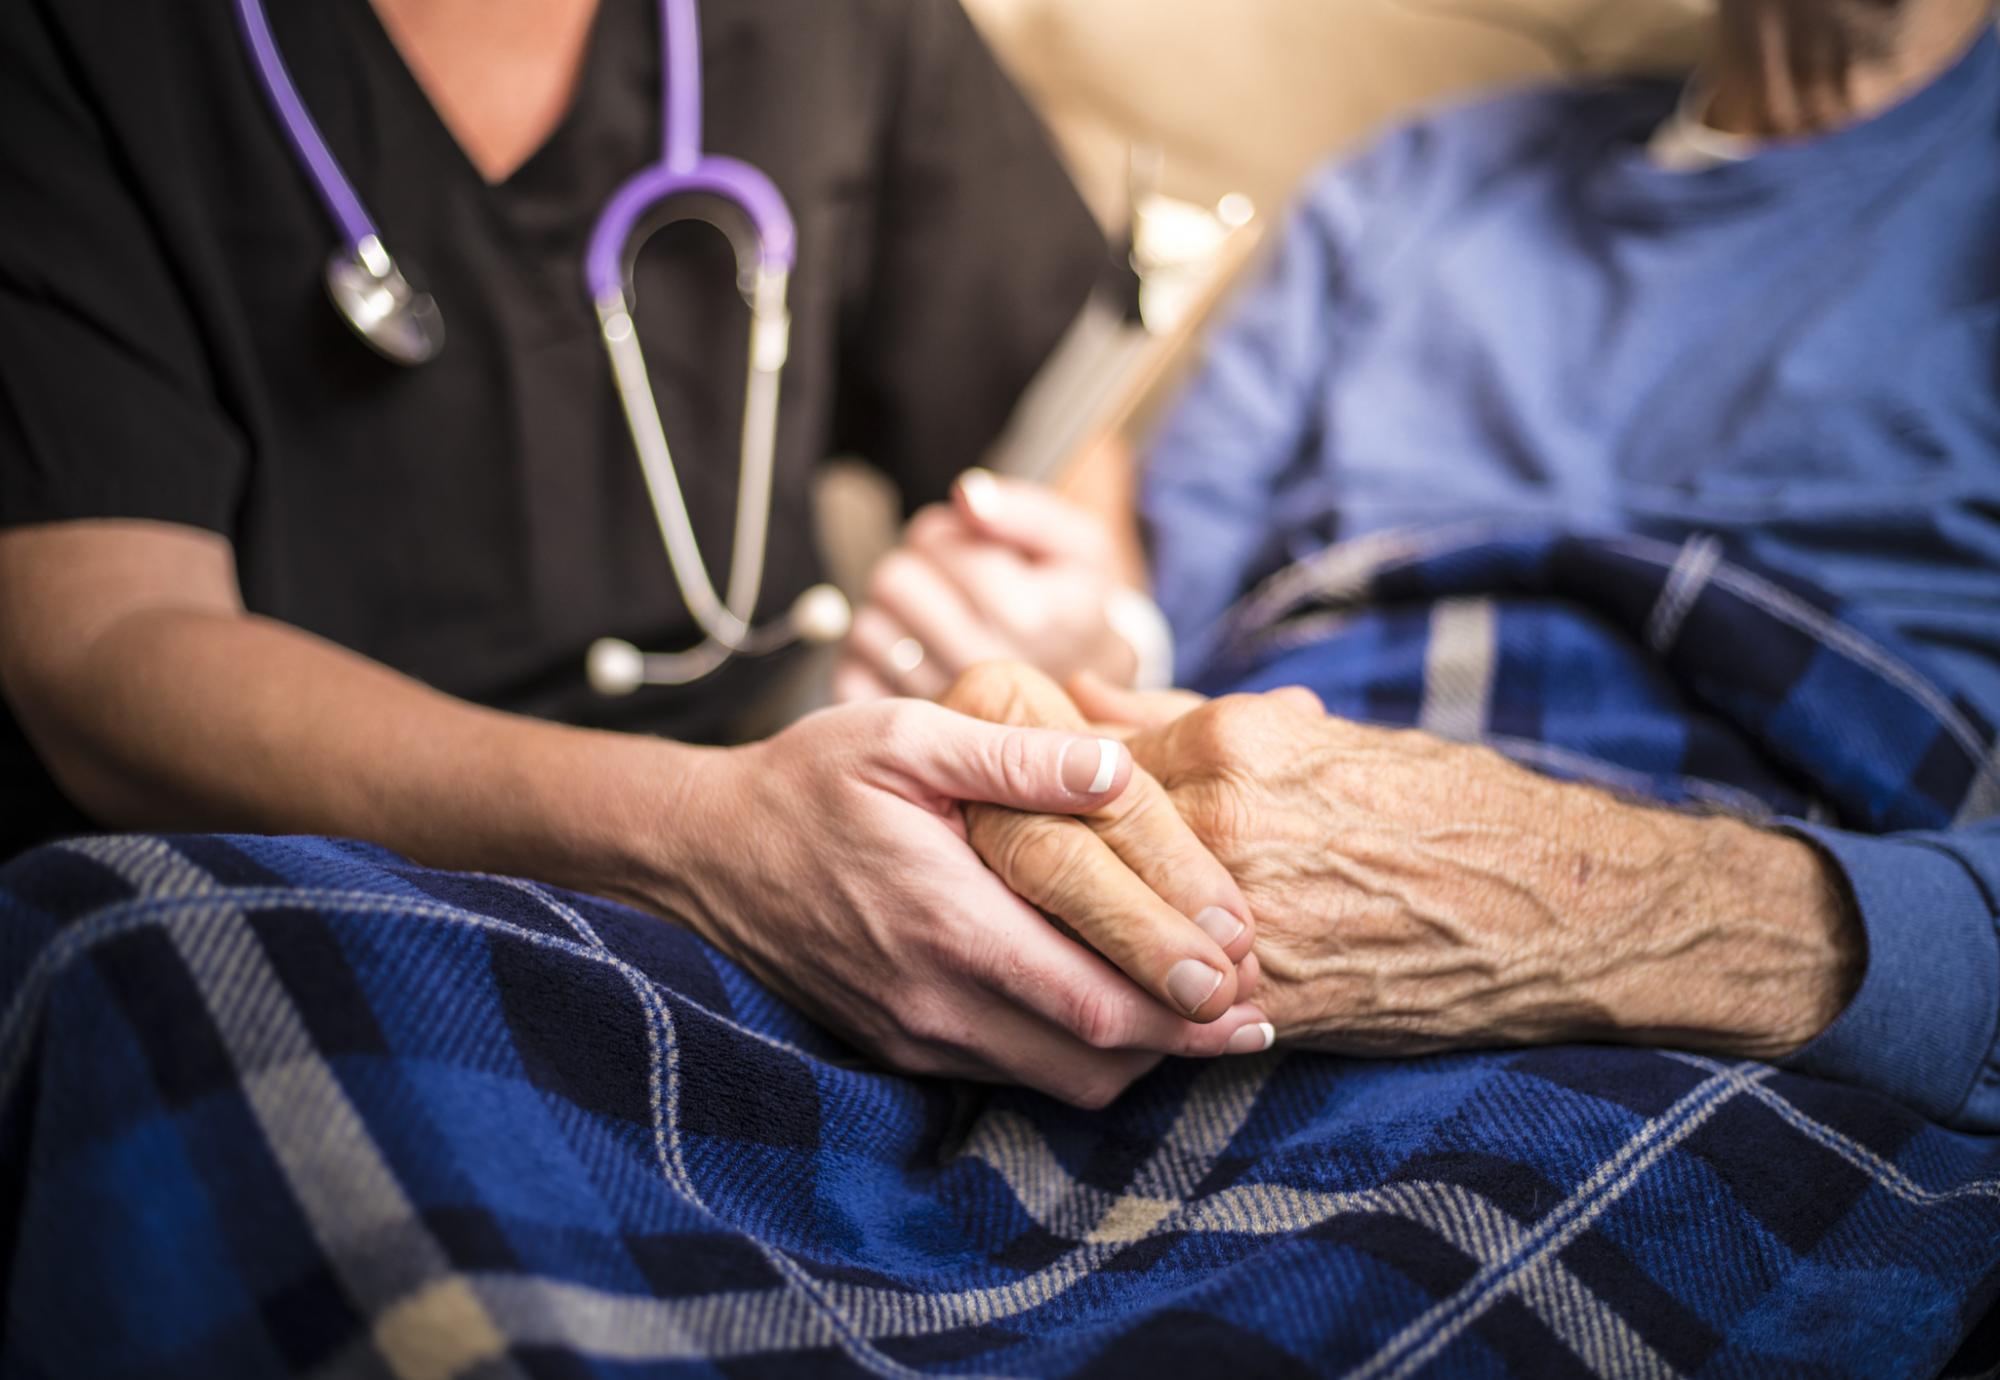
column 984, row 254
column 106, row 406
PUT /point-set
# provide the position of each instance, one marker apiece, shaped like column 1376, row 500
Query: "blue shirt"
column 1509, row 310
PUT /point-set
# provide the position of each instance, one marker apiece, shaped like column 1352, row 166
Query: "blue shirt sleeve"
column 1925, row 1024
column 1217, row 467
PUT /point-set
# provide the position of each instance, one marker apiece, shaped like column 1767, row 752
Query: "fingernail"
column 981, row 493
column 1252, row 1039
column 1219, row 925
column 1090, row 765
column 1192, row 982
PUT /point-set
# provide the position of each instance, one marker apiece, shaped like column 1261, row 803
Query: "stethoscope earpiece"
column 615, row 668
column 822, row 616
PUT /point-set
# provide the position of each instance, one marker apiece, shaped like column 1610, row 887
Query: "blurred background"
column 1246, row 95
column 1187, row 124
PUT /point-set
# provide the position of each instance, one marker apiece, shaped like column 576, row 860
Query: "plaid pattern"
column 298, row 1107
column 1671, row 672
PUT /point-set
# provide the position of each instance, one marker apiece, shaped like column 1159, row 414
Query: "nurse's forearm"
column 157, row 702
column 217, row 722
column 828, row 860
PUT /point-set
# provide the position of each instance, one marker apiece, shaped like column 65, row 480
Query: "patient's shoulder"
column 1428, row 165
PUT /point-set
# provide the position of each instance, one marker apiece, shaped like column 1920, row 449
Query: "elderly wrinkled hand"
column 1413, row 894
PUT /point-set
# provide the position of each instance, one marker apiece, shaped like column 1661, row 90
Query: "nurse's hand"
column 1128, row 877
column 1007, row 571
column 832, row 862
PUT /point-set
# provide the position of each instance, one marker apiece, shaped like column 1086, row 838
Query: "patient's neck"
column 1780, row 69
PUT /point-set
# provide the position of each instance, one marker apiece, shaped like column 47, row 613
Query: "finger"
column 855, row 683
column 1062, row 867
column 1299, row 698
column 1248, row 974
column 1104, row 702
column 1030, row 517
column 940, row 527
column 1040, row 770
column 1013, row 692
column 990, row 575
column 1150, row 838
column 1081, row 993
column 991, row 1040
column 954, row 633
column 892, row 654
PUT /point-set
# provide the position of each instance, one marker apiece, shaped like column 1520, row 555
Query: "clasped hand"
column 991, row 888
column 1412, row 894
column 832, row 861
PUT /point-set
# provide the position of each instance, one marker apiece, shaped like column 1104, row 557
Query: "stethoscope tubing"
column 342, row 202
column 404, row 326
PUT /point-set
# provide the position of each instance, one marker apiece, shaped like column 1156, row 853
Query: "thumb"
column 1105, row 703
column 1039, row 770
column 1031, row 518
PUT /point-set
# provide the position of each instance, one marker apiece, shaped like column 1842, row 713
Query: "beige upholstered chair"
column 1246, row 95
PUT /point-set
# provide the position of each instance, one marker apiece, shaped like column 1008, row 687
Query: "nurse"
column 256, row 577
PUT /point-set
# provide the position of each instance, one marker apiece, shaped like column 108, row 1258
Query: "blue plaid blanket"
column 296, row 1106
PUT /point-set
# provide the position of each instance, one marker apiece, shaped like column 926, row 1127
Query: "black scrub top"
column 167, row 350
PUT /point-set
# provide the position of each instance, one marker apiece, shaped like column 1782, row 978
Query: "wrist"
column 642, row 833
column 1755, row 951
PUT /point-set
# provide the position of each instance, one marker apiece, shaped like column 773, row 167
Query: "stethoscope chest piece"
column 397, row 321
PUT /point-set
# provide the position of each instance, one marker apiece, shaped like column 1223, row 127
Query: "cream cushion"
column 1247, row 95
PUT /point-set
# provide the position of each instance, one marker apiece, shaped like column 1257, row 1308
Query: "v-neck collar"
column 543, row 174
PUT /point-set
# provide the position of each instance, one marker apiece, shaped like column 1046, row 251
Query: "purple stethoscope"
column 404, row 325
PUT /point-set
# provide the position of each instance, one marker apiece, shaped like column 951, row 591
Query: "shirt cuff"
column 1921, row 1027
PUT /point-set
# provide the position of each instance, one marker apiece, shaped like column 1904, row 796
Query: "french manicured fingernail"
column 981, row 494
column 1219, row 925
column 1252, row 1039
column 1192, row 982
column 1090, row 765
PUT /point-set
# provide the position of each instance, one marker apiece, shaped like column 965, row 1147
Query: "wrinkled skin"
column 1413, row 895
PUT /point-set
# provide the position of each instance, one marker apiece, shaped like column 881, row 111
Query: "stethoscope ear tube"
column 821, row 615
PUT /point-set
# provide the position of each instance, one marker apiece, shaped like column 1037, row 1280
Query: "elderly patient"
column 1743, row 336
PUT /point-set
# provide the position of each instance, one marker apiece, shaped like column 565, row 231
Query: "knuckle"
column 1100, row 1018
column 932, row 521
column 891, row 576
column 925, row 1023
column 985, row 690
column 904, row 728
column 1038, row 856
column 1226, row 819
column 1225, row 732
column 1020, row 765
